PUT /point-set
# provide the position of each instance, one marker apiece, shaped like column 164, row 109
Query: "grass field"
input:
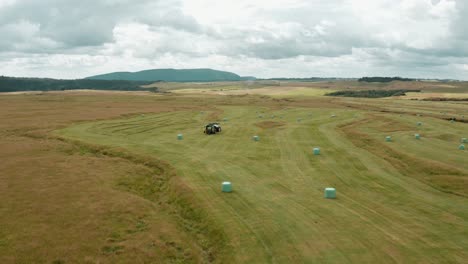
column 284, row 89
column 108, row 169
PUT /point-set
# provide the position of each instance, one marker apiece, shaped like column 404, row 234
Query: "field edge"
column 177, row 197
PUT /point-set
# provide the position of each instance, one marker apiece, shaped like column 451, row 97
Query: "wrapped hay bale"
column 330, row 193
column 226, row 187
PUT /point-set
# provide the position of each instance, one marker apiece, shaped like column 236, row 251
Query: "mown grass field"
column 111, row 171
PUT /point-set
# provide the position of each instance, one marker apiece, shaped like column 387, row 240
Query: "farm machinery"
column 212, row 128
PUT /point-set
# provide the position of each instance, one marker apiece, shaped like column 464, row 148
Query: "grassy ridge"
column 277, row 213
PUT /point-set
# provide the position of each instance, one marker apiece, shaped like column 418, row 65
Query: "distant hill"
column 171, row 75
column 248, row 78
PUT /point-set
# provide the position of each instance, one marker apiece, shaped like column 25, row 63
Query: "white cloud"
column 64, row 38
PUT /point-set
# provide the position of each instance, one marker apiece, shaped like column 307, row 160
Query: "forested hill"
column 171, row 75
column 13, row 84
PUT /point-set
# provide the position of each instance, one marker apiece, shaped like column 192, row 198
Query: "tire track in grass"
column 293, row 151
column 404, row 162
column 277, row 205
column 243, row 205
column 398, row 227
column 301, row 164
column 288, row 164
column 252, row 227
column 334, row 151
column 272, row 154
column 330, row 167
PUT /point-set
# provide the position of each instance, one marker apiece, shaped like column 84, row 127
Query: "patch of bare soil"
column 269, row 124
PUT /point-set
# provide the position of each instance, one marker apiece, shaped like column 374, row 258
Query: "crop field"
column 103, row 178
column 274, row 91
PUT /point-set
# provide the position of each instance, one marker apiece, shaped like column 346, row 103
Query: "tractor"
column 212, row 128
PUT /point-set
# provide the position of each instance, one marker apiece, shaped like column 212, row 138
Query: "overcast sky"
column 264, row 38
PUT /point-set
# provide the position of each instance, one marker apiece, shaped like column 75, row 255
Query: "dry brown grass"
column 241, row 87
column 58, row 204
column 63, row 201
column 80, row 203
column 66, row 202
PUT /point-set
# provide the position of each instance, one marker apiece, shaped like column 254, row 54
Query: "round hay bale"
column 316, row 151
column 461, row 147
column 226, row 187
column 180, row 136
column 256, row 138
column 388, row 138
column 417, row 136
column 330, row 193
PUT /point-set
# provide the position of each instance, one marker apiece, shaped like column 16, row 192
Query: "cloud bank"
column 282, row 38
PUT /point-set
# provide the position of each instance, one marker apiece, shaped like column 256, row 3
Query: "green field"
column 403, row 201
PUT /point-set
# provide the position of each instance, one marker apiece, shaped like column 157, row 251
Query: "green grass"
column 386, row 211
column 306, row 91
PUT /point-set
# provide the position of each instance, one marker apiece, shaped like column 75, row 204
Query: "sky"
column 263, row 38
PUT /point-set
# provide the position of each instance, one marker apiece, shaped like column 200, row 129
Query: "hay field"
column 274, row 91
column 108, row 169
column 295, row 89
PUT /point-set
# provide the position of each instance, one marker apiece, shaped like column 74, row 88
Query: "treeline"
column 13, row 84
column 371, row 93
column 384, row 79
column 443, row 99
column 310, row 79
